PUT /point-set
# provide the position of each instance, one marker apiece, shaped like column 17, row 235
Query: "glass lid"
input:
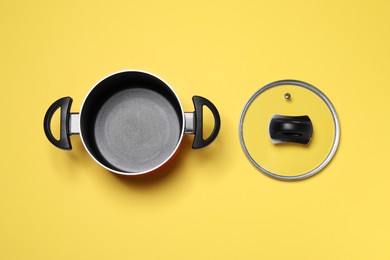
column 289, row 130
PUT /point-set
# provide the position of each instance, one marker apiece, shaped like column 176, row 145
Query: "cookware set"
column 133, row 123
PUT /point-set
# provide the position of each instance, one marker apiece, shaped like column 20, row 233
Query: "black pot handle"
column 199, row 141
column 64, row 141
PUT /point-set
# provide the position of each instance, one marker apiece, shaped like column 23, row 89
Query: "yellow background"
column 212, row 204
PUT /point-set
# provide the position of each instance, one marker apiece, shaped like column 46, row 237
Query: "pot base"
column 136, row 130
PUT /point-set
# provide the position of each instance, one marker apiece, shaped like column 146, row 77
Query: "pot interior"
column 131, row 122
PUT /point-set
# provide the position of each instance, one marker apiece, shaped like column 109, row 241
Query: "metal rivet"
column 287, row 96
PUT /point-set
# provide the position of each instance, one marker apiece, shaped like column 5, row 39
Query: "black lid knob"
column 290, row 129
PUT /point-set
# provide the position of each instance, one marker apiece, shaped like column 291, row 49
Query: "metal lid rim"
column 336, row 122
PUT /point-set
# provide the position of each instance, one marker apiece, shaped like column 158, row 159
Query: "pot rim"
column 168, row 157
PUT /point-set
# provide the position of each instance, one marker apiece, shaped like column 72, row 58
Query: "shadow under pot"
column 131, row 123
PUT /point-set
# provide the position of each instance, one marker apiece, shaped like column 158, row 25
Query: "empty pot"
column 131, row 123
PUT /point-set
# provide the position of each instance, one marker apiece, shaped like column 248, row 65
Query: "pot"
column 131, row 123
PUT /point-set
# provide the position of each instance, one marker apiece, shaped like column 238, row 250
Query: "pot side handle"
column 64, row 141
column 199, row 141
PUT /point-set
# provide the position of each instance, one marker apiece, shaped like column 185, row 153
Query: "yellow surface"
column 213, row 204
column 288, row 159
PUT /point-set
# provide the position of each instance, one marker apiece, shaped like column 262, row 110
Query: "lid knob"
column 290, row 129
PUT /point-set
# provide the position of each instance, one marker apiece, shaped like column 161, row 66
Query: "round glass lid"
column 289, row 130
